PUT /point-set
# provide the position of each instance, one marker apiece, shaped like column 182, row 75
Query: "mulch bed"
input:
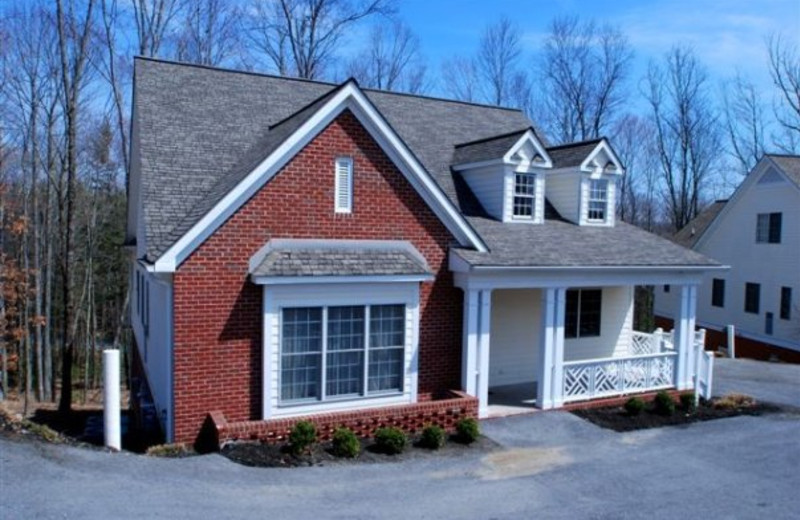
column 256, row 454
column 617, row 419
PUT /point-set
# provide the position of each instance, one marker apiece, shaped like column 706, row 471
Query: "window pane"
column 301, row 353
column 302, row 330
column 768, row 323
column 718, row 292
column 345, row 373
column 598, row 199
column 571, row 314
column 751, row 297
column 386, row 348
column 786, row 303
column 762, row 227
column 345, row 328
column 591, row 302
column 345, row 358
column 524, row 194
column 775, row 220
column 300, row 375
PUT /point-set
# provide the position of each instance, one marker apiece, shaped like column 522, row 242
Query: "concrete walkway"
column 549, row 465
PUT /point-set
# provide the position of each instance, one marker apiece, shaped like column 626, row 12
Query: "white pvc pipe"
column 111, row 409
column 731, row 341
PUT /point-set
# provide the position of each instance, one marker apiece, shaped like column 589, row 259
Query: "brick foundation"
column 410, row 418
column 745, row 347
column 620, row 400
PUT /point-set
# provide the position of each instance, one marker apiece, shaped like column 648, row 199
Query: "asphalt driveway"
column 549, row 465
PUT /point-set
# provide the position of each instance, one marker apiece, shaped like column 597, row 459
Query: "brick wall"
column 410, row 418
column 745, row 347
column 217, row 311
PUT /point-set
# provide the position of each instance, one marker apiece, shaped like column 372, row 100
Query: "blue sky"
column 726, row 34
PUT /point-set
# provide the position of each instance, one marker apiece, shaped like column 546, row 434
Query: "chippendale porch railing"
column 651, row 366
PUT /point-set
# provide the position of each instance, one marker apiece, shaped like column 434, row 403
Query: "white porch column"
column 560, row 303
column 684, row 336
column 469, row 346
column 544, row 393
column 485, row 320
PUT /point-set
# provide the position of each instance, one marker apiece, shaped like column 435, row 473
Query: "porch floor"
column 516, row 399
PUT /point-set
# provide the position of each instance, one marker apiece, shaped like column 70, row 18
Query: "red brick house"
column 361, row 257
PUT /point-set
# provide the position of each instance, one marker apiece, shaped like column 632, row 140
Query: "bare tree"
column 391, row 60
column 208, row 33
column 153, row 19
column 583, row 72
column 637, row 202
column 300, row 36
column 686, row 131
column 745, row 122
column 497, row 60
column 108, row 66
column 74, row 33
column 460, row 78
column 784, row 67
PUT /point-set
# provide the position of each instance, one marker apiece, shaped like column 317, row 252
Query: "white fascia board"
column 313, row 280
column 603, row 146
column 350, row 96
column 529, row 136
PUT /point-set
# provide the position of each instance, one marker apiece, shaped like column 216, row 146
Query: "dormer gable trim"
column 602, row 160
column 527, row 152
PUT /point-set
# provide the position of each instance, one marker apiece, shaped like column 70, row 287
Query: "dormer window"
column 524, row 195
column 598, row 200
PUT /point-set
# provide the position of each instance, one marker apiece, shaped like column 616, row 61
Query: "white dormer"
column 506, row 174
column 583, row 183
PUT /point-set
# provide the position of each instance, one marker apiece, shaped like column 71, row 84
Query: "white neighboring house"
column 756, row 233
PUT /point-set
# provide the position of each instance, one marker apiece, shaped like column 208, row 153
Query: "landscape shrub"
column 432, row 437
column 664, row 404
column 733, row 400
column 390, row 440
column 687, row 402
column 169, row 450
column 302, row 437
column 468, row 430
column 345, row 443
column 634, row 406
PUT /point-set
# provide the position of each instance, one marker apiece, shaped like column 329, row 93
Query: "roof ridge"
column 494, row 137
column 788, row 155
column 322, row 82
column 327, row 94
column 576, row 143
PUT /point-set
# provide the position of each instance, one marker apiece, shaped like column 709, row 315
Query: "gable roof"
column 572, row 155
column 691, row 232
column 790, row 164
column 202, row 128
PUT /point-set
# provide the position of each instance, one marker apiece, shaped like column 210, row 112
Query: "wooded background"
column 65, row 94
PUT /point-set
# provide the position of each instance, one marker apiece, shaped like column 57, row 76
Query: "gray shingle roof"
column 286, row 257
column 201, row 127
column 571, row 155
column 691, row 232
column 790, row 164
column 486, row 149
column 558, row 243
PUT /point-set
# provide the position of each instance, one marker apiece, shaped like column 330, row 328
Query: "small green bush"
column 634, row 406
column 302, row 437
column 390, row 440
column 664, row 404
column 169, row 450
column 468, row 430
column 687, row 402
column 345, row 443
column 432, row 437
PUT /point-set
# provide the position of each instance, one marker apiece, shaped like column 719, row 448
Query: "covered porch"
column 536, row 339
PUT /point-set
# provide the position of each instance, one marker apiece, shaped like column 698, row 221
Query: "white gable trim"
column 348, row 97
column 752, row 178
column 528, row 137
column 589, row 165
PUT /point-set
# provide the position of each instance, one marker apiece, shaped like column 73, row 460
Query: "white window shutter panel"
column 344, row 185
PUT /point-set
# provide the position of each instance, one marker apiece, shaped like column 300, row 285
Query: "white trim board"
column 349, row 97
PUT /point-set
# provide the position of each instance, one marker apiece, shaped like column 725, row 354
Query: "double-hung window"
column 524, row 195
column 786, row 303
column 718, row 292
column 752, row 297
column 598, row 200
column 768, row 228
column 340, row 352
column 583, row 312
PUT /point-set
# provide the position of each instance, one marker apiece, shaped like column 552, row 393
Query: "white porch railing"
column 595, row 378
column 644, row 343
column 705, row 367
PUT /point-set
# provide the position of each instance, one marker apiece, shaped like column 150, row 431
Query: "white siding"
column 733, row 242
column 488, row 186
column 563, row 192
column 616, row 324
column 514, row 346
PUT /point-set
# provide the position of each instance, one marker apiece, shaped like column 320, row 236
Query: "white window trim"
column 534, row 198
column 589, row 201
column 309, row 295
column 346, row 162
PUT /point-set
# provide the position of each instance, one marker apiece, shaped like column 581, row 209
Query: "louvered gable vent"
column 344, row 185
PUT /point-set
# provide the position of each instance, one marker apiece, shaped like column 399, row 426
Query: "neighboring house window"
column 768, row 228
column 666, row 288
column 786, row 303
column 582, row 317
column 524, row 195
column 344, row 185
column 768, row 323
column 330, row 353
column 752, row 295
column 598, row 199
column 718, row 292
